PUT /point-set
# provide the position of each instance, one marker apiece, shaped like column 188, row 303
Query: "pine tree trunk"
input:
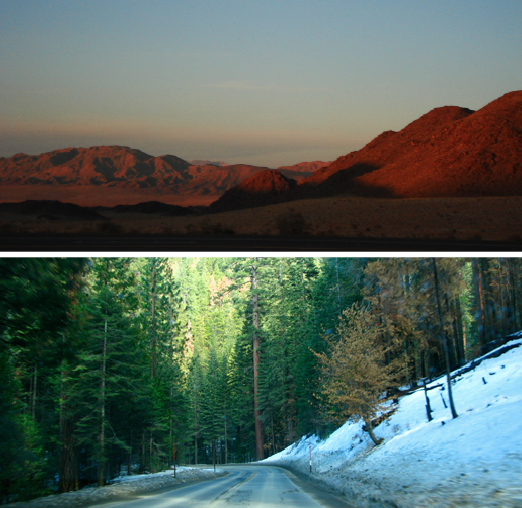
column 444, row 340
column 68, row 468
column 171, row 325
column 171, row 448
column 460, row 330
column 491, row 315
column 101, row 456
column 515, row 322
column 290, row 423
column 35, row 386
column 503, row 308
column 479, row 296
column 143, row 458
column 152, row 468
column 517, row 293
column 226, row 442
column 273, row 435
column 152, row 328
column 129, row 466
column 256, row 344
column 338, row 289
column 68, row 456
column 454, row 352
column 196, row 430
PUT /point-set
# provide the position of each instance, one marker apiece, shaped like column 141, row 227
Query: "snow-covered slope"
column 473, row 460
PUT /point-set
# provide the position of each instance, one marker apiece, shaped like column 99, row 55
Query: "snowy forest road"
column 244, row 486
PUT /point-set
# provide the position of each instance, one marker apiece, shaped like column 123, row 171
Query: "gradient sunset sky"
column 259, row 82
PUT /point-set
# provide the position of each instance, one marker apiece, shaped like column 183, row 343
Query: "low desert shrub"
column 6, row 227
column 292, row 223
column 209, row 228
column 107, row 228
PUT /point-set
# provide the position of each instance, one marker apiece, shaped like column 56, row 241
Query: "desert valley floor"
column 496, row 219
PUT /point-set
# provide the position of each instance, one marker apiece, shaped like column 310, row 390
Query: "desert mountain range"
column 448, row 152
column 199, row 162
column 119, row 172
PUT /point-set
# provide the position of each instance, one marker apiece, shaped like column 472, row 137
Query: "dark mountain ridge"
column 53, row 210
column 57, row 210
column 264, row 187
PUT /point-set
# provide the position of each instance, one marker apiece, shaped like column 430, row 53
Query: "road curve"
column 244, row 486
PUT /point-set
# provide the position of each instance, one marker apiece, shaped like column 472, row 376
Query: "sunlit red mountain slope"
column 449, row 151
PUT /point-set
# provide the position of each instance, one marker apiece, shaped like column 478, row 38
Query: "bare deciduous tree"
column 355, row 371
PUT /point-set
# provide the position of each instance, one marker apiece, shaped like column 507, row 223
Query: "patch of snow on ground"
column 137, row 477
column 473, row 460
column 125, row 487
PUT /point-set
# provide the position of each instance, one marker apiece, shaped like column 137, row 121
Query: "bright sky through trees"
column 259, row 82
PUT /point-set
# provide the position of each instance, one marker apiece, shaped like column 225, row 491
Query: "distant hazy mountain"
column 302, row 170
column 306, row 167
column 208, row 163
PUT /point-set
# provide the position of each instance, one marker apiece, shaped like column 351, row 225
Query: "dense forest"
column 112, row 365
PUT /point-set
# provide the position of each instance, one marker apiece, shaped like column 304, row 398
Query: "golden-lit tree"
column 359, row 368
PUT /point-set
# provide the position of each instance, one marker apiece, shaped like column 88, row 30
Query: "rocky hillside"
column 450, row 151
column 257, row 190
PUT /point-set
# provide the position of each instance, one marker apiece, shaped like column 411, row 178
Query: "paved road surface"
column 244, row 486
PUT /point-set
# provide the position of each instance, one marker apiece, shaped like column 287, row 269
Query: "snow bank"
column 473, row 460
column 123, row 487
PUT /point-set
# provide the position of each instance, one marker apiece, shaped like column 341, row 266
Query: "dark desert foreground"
column 496, row 219
column 94, row 196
